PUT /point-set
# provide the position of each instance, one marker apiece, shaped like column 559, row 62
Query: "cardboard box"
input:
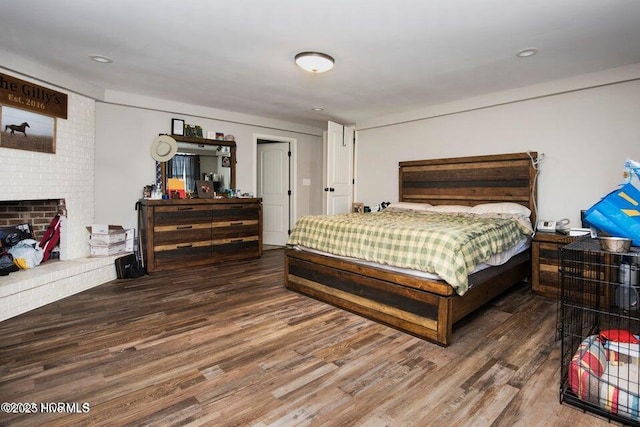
column 107, row 234
column 107, row 240
column 98, row 228
column 107, row 250
column 105, row 228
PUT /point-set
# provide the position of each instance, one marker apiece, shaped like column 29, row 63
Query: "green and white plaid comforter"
column 449, row 245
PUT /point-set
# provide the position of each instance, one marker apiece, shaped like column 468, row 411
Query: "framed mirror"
column 200, row 159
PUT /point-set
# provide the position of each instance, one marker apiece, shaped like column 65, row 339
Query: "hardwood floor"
column 231, row 346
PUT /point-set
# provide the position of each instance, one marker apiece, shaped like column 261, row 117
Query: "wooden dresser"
column 196, row 232
column 545, row 275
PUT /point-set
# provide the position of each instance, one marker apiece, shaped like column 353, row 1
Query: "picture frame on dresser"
column 205, row 189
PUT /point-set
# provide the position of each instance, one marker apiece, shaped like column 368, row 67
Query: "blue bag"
column 617, row 214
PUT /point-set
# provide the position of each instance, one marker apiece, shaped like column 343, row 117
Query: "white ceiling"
column 391, row 56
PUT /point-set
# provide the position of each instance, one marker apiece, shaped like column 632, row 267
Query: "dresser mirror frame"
column 207, row 143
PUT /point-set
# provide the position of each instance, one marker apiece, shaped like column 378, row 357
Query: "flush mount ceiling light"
column 314, row 62
column 525, row 53
column 101, row 59
column 318, row 109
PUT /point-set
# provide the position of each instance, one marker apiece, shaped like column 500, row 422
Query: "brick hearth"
column 25, row 290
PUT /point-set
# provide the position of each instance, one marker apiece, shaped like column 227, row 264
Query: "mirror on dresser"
column 202, row 159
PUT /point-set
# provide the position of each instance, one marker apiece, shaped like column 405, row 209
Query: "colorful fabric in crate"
column 620, row 390
column 606, row 378
column 618, row 335
column 586, row 368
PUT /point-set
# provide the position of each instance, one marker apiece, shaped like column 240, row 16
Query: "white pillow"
column 409, row 205
column 502, row 208
column 449, row 208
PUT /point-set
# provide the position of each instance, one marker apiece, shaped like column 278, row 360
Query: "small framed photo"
column 205, row 189
column 358, row 207
column 226, row 162
column 177, row 127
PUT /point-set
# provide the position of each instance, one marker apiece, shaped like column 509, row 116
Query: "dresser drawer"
column 236, row 229
column 174, row 256
column 237, row 248
column 182, row 233
column 236, row 212
column 181, row 215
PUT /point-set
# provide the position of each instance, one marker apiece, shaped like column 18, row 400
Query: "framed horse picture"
column 24, row 130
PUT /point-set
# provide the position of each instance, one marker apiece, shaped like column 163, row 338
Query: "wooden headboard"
column 471, row 180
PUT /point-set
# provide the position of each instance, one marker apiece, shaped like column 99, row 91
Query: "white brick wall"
column 68, row 174
column 76, row 175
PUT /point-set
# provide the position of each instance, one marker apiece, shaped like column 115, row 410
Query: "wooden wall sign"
column 32, row 97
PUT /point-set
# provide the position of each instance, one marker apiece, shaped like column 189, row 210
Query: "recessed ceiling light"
column 101, row 59
column 318, row 109
column 314, row 62
column 524, row 53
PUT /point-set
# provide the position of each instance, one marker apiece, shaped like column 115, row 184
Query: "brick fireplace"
column 33, row 178
column 36, row 213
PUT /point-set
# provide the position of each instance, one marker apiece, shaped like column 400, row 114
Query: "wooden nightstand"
column 545, row 254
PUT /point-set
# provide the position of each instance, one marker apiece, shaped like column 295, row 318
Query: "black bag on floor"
column 128, row 267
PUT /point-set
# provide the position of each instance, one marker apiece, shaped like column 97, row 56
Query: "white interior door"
column 338, row 189
column 273, row 187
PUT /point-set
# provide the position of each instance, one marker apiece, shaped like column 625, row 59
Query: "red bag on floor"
column 51, row 238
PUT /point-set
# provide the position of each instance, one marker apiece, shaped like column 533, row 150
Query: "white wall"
column 585, row 136
column 124, row 164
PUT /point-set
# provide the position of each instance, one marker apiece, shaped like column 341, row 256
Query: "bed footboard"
column 421, row 307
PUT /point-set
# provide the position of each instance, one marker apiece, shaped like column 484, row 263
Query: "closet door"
column 274, row 166
column 338, row 189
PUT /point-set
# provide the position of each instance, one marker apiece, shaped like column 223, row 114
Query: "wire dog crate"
column 599, row 323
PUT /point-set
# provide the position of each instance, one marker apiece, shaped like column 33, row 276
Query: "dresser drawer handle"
column 186, row 208
column 236, row 240
column 184, row 246
column 236, row 223
column 184, row 227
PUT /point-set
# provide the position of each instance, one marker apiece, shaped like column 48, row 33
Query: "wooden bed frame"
column 423, row 307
